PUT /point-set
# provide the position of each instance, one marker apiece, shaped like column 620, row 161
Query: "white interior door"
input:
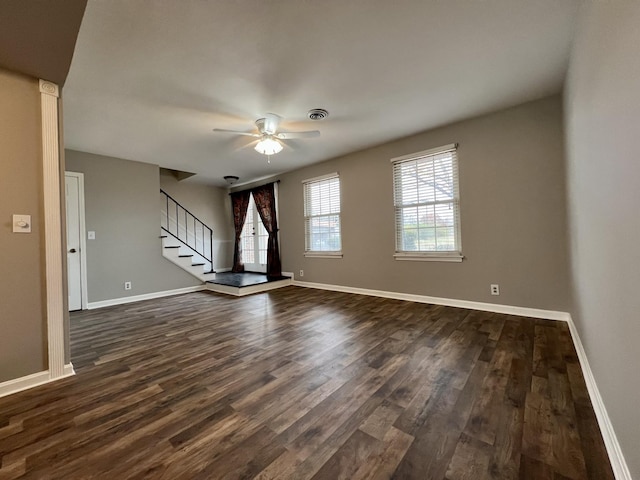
column 74, row 240
column 254, row 241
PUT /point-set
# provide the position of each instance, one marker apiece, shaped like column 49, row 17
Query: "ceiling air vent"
column 318, row 114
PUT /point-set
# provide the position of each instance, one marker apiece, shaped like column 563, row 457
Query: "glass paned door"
column 254, row 241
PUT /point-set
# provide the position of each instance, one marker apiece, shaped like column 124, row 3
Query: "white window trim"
column 453, row 256
column 322, row 253
column 425, row 153
column 321, row 177
column 319, row 254
column 429, row 257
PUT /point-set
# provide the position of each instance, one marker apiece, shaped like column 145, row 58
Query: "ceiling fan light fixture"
column 268, row 146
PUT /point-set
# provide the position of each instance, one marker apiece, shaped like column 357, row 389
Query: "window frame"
column 427, row 156
column 307, row 217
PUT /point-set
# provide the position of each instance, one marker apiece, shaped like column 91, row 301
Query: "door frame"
column 84, row 296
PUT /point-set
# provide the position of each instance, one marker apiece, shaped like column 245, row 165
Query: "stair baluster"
column 199, row 239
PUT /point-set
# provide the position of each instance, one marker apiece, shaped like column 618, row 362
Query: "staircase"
column 186, row 241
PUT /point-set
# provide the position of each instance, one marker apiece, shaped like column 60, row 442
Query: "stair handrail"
column 187, row 214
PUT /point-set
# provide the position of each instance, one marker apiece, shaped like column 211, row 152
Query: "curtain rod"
column 260, row 185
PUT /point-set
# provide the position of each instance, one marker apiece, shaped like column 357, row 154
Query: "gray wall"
column 603, row 123
column 512, row 184
column 22, row 312
column 212, row 206
column 122, row 207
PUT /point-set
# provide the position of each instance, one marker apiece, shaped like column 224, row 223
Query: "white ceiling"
column 149, row 80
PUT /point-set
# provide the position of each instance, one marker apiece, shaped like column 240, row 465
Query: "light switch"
column 22, row 224
column 91, row 235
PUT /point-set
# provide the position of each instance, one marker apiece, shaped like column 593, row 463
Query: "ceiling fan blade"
column 288, row 135
column 235, row 132
column 271, row 123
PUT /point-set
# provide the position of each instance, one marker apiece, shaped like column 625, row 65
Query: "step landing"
column 247, row 283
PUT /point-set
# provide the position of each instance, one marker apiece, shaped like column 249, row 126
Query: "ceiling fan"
column 270, row 139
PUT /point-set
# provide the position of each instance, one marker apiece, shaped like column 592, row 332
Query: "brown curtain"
column 265, row 199
column 240, row 204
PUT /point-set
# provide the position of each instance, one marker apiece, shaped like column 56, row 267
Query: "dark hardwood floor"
column 305, row 384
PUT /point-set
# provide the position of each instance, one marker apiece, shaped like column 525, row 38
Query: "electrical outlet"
column 495, row 289
column 302, row 273
column 127, row 285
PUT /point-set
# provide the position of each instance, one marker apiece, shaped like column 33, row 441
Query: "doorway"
column 76, row 245
column 254, row 241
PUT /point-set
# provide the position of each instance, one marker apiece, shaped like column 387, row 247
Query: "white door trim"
column 83, row 237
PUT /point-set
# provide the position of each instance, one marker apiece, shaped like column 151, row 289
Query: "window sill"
column 429, row 257
column 323, row 254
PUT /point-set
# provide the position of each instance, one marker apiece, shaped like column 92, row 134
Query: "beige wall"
column 212, row 206
column 512, row 184
column 122, row 207
column 22, row 313
column 603, row 122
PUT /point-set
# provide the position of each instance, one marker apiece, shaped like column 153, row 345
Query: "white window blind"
column 322, row 214
column 427, row 203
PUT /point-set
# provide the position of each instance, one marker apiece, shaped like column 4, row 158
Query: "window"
column 427, row 210
column 322, row 216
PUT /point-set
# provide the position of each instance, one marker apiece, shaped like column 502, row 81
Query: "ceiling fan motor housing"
column 260, row 123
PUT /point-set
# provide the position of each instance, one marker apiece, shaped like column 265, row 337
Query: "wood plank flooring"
column 305, row 384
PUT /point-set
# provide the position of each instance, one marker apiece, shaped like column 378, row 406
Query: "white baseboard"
column 449, row 302
column 23, row 383
column 618, row 463
column 29, row 381
column 146, row 296
column 68, row 370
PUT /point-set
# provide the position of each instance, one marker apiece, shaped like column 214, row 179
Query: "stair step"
column 178, row 255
